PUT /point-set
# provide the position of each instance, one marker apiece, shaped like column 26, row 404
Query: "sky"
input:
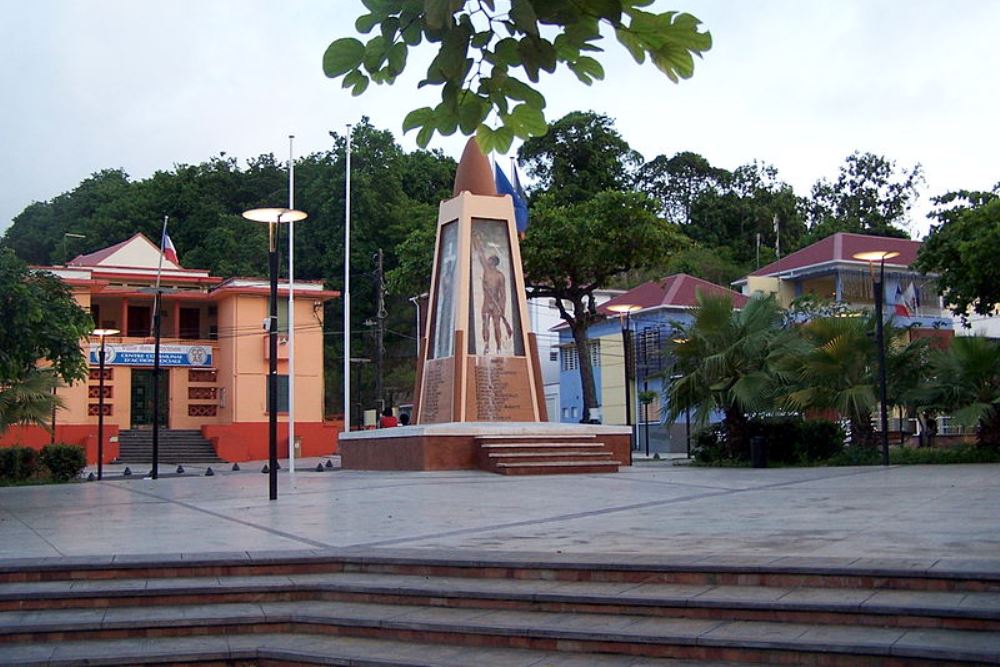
column 144, row 86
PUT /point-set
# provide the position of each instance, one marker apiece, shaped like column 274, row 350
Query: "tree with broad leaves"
column 870, row 196
column 676, row 182
column 580, row 156
column 490, row 56
column 614, row 232
column 961, row 249
column 39, row 320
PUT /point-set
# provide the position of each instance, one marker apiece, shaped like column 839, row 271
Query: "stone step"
column 541, row 446
column 787, row 572
column 739, row 641
column 303, row 649
column 557, row 468
column 547, row 457
column 957, row 610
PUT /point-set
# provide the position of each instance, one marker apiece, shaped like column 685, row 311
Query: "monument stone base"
column 506, row 447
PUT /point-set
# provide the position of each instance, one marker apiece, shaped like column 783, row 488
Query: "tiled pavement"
column 913, row 514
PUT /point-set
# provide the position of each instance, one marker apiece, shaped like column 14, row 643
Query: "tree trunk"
column 736, row 432
column 586, row 368
column 988, row 430
column 862, row 433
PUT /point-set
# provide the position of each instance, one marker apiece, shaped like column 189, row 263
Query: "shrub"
column 18, row 463
column 709, row 448
column 820, row 439
column 960, row 454
column 855, row 456
column 65, row 462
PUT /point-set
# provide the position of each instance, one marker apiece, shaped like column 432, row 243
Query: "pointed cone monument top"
column 474, row 174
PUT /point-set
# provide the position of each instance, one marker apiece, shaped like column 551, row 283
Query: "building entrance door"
column 142, row 397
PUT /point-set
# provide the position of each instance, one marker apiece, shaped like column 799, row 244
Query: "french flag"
column 169, row 251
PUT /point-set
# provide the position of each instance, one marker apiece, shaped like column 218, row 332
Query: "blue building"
column 658, row 304
column 830, row 270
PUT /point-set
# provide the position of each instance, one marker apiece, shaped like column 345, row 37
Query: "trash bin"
column 758, row 452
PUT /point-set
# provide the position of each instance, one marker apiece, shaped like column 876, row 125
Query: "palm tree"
column 966, row 382
column 833, row 370
column 29, row 400
column 723, row 362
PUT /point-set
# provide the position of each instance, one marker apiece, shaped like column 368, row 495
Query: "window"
column 553, row 354
column 282, row 315
column 571, row 361
column 282, row 393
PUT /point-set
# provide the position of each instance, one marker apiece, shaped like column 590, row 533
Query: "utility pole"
column 379, row 329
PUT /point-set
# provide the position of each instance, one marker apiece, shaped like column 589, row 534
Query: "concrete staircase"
column 548, row 455
column 395, row 608
column 175, row 446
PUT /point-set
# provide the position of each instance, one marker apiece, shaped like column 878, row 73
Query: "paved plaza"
column 919, row 513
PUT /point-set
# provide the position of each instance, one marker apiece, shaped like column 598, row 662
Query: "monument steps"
column 546, row 455
column 405, row 610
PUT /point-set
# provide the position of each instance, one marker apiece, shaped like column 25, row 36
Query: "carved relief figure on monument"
column 492, row 306
column 444, row 298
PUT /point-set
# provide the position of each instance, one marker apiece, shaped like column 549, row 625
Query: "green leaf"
column 424, row 136
column 342, row 56
column 523, row 14
column 390, row 27
column 412, row 34
column 530, row 120
column 518, row 90
column 375, row 54
column 486, row 138
column 632, row 43
column 366, row 23
column 397, row 58
column 506, row 52
column 503, row 138
column 471, row 111
column 418, row 118
column 587, row 69
column 438, row 12
column 361, row 86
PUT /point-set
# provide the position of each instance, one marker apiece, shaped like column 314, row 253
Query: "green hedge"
column 18, row 464
column 787, row 442
column 65, row 462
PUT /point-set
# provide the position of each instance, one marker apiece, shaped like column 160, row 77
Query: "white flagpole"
column 163, row 238
column 291, row 311
column 347, row 285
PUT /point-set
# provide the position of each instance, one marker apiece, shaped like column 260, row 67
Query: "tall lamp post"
column 102, row 334
column 624, row 311
column 878, row 282
column 273, row 217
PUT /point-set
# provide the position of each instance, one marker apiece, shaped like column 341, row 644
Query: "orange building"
column 213, row 358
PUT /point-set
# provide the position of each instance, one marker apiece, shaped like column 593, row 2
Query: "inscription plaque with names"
column 498, row 390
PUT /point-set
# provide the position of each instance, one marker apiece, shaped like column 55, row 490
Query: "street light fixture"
column 878, row 282
column 624, row 312
column 102, row 334
column 273, row 217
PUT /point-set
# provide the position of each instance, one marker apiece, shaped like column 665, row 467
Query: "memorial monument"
column 479, row 400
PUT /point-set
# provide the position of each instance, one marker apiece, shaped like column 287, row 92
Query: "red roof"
column 841, row 247
column 679, row 291
column 95, row 258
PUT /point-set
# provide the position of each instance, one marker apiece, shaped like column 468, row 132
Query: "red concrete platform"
column 527, row 448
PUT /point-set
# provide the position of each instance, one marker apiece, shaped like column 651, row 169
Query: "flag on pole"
column 168, row 249
column 520, row 212
column 901, row 305
column 911, row 297
column 504, row 187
